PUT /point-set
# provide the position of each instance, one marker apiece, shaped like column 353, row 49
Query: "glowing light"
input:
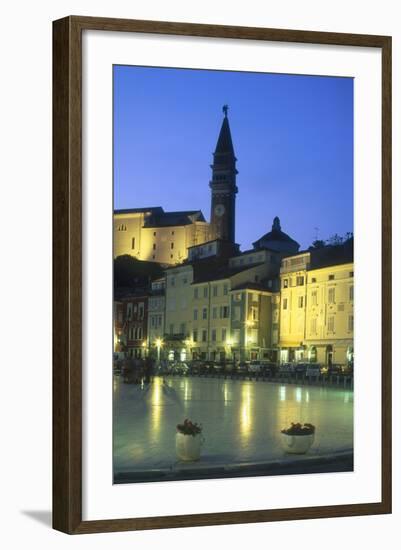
column 158, row 343
column 229, row 342
column 249, row 323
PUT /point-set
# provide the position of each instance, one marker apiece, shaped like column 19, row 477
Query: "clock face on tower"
column 219, row 209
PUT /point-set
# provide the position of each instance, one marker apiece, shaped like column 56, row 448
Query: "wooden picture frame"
column 67, row 274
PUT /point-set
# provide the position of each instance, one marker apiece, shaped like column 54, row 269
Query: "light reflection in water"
column 156, row 402
column 246, row 419
column 225, row 393
column 282, row 393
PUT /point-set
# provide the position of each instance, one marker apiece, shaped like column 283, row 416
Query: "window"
column 256, row 278
column 300, row 280
column 237, row 313
column 285, row 283
column 351, row 273
column 129, row 311
column 300, row 301
column 140, row 333
column 214, row 312
column 313, row 326
column 215, row 289
column 205, row 292
column 225, row 290
column 204, row 335
column 172, row 232
column 224, row 312
column 184, row 280
column 172, row 246
column 237, row 297
column 313, row 280
column 213, row 335
column 350, row 322
column 171, row 328
column 204, row 313
column 331, row 277
column 330, row 324
column 133, row 243
column 314, row 297
column 196, row 293
column 182, row 328
column 254, row 313
column 195, row 336
column 154, row 233
column 223, row 334
column 141, row 310
column 285, row 303
column 122, row 227
column 195, row 314
column 332, row 295
column 171, row 256
column 154, row 246
column 172, row 281
column 351, row 293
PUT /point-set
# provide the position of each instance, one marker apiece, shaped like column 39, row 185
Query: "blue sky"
column 292, row 135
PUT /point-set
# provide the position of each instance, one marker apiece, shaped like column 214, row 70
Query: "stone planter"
column 297, row 444
column 188, row 447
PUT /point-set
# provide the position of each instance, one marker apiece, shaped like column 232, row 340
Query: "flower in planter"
column 299, row 429
column 189, row 428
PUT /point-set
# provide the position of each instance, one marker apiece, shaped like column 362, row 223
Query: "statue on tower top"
column 225, row 110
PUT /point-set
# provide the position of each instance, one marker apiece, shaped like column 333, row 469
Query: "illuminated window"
column 351, row 293
column 314, row 298
column 285, row 283
column 350, row 322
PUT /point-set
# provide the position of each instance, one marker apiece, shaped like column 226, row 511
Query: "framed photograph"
column 222, row 275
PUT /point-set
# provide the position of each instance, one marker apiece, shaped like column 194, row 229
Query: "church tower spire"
column 223, row 185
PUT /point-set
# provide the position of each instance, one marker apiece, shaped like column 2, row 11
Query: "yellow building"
column 154, row 235
column 329, row 320
column 317, row 307
column 293, row 280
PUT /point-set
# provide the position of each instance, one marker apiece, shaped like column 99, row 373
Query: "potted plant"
column 188, row 440
column 298, row 438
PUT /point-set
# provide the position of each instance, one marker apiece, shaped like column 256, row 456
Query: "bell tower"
column 223, row 185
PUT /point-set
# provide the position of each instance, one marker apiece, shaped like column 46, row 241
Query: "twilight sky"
column 292, row 135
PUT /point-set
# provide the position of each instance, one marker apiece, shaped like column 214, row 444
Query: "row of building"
column 260, row 304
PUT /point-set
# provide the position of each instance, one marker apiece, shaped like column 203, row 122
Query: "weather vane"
column 225, row 110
